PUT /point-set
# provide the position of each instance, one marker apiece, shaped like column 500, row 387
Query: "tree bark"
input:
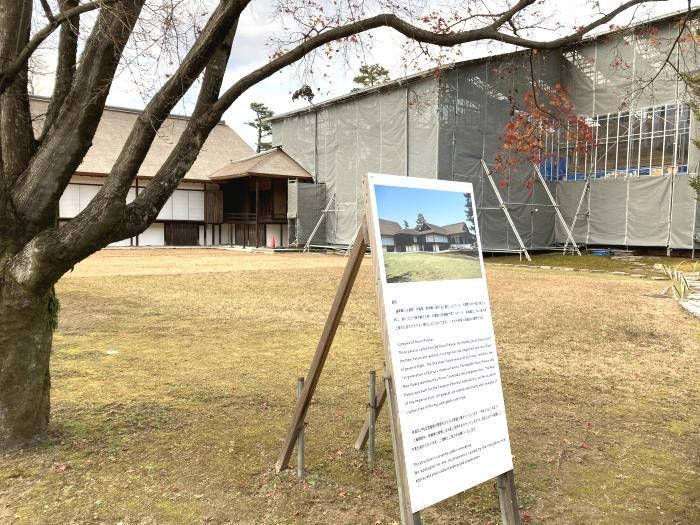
column 25, row 349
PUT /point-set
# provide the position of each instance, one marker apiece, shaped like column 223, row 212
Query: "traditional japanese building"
column 229, row 196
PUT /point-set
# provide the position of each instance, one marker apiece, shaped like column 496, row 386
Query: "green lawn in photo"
column 403, row 267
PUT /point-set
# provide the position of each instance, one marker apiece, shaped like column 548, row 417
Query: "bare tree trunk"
column 25, row 348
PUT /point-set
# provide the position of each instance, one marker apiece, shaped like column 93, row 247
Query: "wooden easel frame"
column 505, row 482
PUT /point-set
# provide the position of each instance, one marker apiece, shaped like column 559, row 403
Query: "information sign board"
column 441, row 352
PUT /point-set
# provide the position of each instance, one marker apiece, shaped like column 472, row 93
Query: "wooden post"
column 324, row 345
column 508, row 499
column 257, row 229
column 372, row 415
column 363, row 436
column 407, row 517
column 300, row 437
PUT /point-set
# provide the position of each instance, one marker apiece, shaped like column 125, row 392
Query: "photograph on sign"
column 427, row 235
column 441, row 346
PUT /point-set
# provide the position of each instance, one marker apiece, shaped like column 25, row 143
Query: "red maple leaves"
column 548, row 112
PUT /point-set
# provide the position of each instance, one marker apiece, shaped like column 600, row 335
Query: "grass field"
column 429, row 266
column 174, row 376
column 643, row 265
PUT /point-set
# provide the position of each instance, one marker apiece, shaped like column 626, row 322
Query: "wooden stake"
column 508, row 499
column 372, row 415
column 300, row 437
column 324, row 345
column 407, row 517
column 362, row 437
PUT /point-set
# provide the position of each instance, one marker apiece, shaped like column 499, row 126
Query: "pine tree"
column 370, row 75
column 420, row 222
column 405, row 224
column 262, row 112
column 469, row 217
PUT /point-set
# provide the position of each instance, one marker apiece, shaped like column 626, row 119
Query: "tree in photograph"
column 420, row 222
column 370, row 75
column 469, row 221
column 190, row 43
column 405, row 224
column 262, row 112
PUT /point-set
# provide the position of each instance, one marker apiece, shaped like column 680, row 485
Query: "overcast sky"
column 258, row 24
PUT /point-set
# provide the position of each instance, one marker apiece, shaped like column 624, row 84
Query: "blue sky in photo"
column 439, row 207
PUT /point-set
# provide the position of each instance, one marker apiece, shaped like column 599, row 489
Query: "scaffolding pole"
column 318, row 224
column 522, row 250
column 586, row 187
column 557, row 210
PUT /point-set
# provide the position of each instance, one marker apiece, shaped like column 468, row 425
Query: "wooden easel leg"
column 361, row 440
column 407, row 517
column 508, row 499
column 324, row 345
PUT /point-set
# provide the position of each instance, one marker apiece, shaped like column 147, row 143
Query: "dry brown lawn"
column 174, row 375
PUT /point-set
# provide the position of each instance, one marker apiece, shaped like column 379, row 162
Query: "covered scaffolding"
column 629, row 189
column 392, row 131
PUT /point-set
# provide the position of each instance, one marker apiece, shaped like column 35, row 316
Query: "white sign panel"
column 440, row 336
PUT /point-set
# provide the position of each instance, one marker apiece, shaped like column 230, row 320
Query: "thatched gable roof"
column 458, row 227
column 388, row 227
column 222, row 146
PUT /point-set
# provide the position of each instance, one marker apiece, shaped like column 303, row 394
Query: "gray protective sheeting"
column 442, row 126
column 633, row 211
column 309, row 199
column 648, row 211
column 684, row 214
column 568, row 197
column 372, row 133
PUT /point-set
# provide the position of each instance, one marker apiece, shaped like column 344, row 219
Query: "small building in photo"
column 427, row 238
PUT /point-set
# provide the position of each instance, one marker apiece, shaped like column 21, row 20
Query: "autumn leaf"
column 60, row 467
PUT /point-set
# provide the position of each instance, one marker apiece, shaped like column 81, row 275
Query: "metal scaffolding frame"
column 502, row 205
column 557, row 211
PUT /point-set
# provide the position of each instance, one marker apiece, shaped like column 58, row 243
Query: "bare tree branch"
column 47, row 10
column 36, row 193
column 139, row 141
column 8, row 72
column 507, row 17
column 147, row 205
column 103, row 218
column 65, row 70
column 16, row 134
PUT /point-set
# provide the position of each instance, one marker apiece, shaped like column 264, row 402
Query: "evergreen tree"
column 469, row 217
column 420, row 222
column 370, row 75
column 262, row 112
column 405, row 224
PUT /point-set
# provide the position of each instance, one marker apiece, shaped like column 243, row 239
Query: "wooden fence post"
column 372, row 416
column 508, row 499
column 300, row 437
